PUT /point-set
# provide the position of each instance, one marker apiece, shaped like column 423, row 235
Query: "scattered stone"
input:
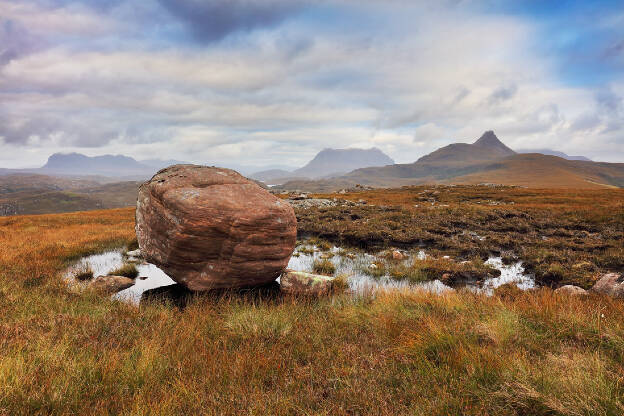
column 212, row 228
column 611, row 284
column 312, row 203
column 397, row 255
column 571, row 290
column 111, row 284
column 302, row 283
column 372, row 266
column 134, row 253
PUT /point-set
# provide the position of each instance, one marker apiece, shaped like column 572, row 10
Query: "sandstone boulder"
column 611, row 284
column 211, row 228
column 571, row 290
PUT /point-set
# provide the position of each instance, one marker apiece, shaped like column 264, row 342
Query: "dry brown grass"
column 400, row 353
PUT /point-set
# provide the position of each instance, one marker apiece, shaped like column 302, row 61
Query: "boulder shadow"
column 179, row 296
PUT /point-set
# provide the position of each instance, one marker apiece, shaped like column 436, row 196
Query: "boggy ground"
column 562, row 236
column 65, row 352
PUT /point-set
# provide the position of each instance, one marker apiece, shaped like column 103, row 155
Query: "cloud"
column 608, row 101
column 213, row 20
column 16, row 41
column 401, row 76
column 502, row 94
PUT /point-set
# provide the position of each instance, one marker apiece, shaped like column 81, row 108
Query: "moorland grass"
column 563, row 236
column 67, row 353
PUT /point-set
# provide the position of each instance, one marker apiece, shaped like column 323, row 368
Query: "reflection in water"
column 150, row 276
column 153, row 282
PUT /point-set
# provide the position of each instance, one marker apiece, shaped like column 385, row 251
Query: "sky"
column 272, row 82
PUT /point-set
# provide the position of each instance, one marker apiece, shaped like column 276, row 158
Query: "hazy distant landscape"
column 75, row 182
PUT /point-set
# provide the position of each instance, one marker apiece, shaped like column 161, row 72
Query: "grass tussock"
column 421, row 270
column 67, row 353
column 127, row 269
column 323, row 266
column 84, row 273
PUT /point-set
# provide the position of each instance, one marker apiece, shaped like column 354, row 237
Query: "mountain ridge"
column 486, row 160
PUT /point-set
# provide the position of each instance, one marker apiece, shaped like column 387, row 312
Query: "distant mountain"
column 485, row 160
column 551, row 152
column 487, row 147
column 336, row 161
column 327, row 163
column 106, row 165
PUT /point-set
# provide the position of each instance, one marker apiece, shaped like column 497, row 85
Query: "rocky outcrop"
column 211, row 228
column 571, row 290
column 302, row 283
column 111, row 284
column 611, row 284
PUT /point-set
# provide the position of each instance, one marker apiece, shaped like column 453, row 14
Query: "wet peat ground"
column 560, row 236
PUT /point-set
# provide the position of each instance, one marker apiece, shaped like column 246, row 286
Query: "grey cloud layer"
column 281, row 94
column 212, row 20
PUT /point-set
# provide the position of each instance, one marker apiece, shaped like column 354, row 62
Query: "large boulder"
column 211, row 228
column 611, row 284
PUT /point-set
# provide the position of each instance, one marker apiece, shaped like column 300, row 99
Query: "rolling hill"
column 554, row 153
column 41, row 194
column 544, row 171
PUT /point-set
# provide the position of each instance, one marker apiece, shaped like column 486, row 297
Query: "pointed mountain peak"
column 489, row 139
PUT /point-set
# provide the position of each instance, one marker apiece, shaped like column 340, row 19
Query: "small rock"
column 111, row 284
column 397, row 255
column 571, row 290
column 302, row 283
column 611, row 284
column 134, row 253
column 372, row 266
column 300, row 197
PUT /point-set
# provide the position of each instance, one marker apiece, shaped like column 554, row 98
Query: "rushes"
column 324, row 266
column 127, row 270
